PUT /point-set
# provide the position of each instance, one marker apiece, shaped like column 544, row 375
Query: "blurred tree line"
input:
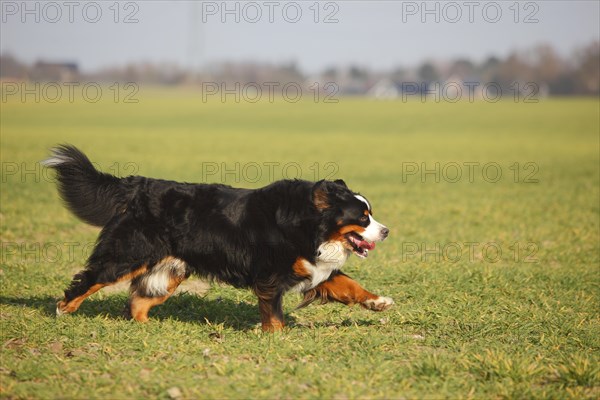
column 578, row 74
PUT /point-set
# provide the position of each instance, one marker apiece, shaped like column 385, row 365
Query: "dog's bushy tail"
column 91, row 195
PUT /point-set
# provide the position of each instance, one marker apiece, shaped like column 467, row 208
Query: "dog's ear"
column 320, row 195
column 341, row 182
column 324, row 192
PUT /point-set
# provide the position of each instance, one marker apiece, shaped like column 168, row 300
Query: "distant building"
column 385, row 89
column 455, row 88
column 388, row 89
column 56, row 72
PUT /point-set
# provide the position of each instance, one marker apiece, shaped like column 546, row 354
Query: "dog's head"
column 347, row 217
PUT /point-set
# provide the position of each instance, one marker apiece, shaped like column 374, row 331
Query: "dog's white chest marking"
column 332, row 255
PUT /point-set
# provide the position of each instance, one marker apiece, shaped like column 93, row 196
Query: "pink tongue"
column 362, row 243
column 366, row 245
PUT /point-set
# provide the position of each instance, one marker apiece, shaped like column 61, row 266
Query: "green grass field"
column 468, row 322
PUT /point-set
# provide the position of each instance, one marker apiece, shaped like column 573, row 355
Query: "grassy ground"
column 468, row 322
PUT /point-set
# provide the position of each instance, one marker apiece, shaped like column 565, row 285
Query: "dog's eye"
column 364, row 218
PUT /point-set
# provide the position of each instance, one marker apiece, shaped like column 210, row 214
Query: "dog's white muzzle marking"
column 374, row 231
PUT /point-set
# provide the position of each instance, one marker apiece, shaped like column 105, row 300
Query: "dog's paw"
column 379, row 304
column 61, row 309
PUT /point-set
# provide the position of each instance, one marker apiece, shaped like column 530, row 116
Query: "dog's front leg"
column 341, row 288
column 270, row 305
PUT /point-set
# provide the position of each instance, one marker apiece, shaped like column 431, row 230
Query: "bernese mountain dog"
column 292, row 235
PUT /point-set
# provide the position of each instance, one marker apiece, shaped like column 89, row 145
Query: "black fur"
column 93, row 196
column 246, row 238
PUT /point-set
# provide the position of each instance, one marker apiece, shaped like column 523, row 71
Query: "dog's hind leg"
column 155, row 286
column 124, row 251
column 89, row 281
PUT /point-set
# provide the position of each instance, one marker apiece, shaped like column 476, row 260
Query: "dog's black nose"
column 385, row 232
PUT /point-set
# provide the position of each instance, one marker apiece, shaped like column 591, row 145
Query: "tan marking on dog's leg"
column 64, row 307
column 299, row 268
column 269, row 318
column 67, row 307
column 139, row 306
column 343, row 289
column 270, row 307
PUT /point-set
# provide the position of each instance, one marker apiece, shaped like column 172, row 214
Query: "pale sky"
column 375, row 34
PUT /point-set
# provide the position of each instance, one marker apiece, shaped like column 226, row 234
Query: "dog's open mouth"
column 359, row 245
